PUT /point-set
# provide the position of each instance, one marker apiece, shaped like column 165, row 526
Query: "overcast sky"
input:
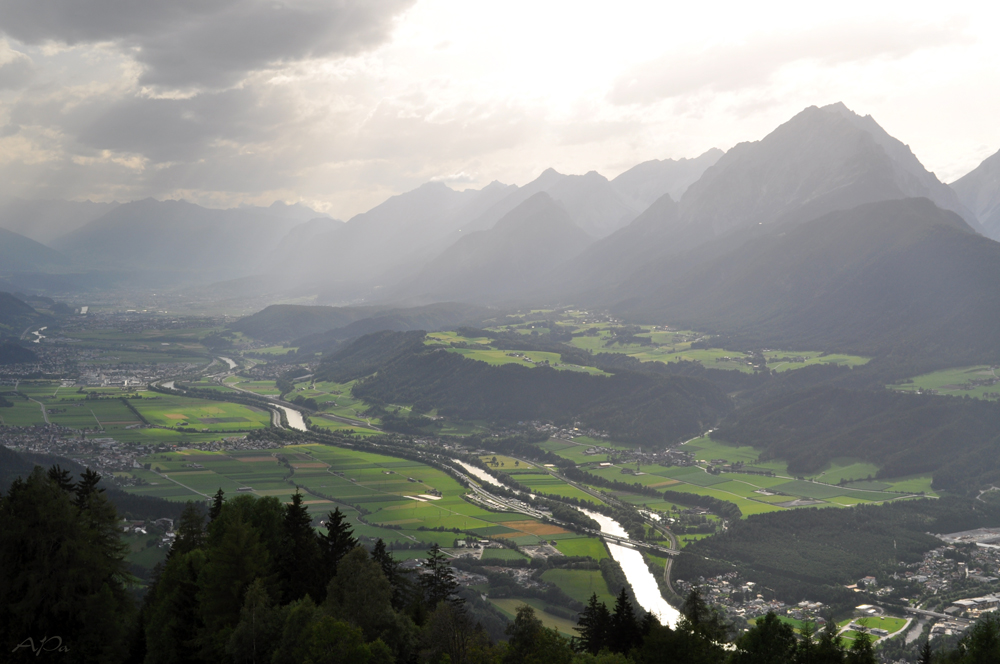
column 341, row 103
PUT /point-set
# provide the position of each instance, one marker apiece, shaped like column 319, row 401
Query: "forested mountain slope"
column 646, row 408
column 902, row 275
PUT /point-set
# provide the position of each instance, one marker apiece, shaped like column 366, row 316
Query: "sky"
column 340, row 104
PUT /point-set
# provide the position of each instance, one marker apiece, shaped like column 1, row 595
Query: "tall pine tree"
column 625, row 633
column 299, row 556
column 439, row 581
column 594, row 626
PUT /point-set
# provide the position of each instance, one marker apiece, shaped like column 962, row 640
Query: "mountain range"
column 557, row 238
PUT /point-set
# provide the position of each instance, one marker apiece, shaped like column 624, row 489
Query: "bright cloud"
column 340, row 104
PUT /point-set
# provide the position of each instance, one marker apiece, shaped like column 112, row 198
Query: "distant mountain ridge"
column 979, row 191
column 821, row 160
column 646, row 182
column 181, row 240
column 46, row 220
column 513, row 255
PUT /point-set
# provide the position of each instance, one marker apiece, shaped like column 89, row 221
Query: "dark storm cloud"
column 184, row 43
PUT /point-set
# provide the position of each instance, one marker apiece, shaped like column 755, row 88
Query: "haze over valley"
column 364, row 346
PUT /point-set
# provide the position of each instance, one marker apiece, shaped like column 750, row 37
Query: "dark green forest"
column 955, row 439
column 813, row 553
column 251, row 581
column 634, row 406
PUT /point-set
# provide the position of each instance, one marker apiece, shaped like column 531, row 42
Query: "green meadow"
column 780, row 360
column 976, row 382
column 168, row 410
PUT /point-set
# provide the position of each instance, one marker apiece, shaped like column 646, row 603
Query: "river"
column 295, row 420
column 478, row 473
column 232, row 365
column 647, row 592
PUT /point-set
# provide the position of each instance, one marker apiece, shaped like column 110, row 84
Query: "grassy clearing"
column 780, row 360
column 978, row 382
column 583, row 546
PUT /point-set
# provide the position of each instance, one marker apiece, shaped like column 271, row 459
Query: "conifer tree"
column 216, row 509
column 62, row 478
column 439, row 583
column 190, row 530
column 926, row 657
column 62, row 569
column 299, row 556
column 336, row 543
column 830, row 649
column 594, row 625
column 390, row 568
column 862, row 651
column 624, row 634
column 86, row 487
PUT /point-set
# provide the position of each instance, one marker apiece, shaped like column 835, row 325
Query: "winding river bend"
column 295, row 420
column 647, row 592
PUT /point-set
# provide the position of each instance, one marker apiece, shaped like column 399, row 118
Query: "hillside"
column 431, row 317
column 513, row 255
column 21, row 254
column 16, row 315
column 11, row 353
column 979, row 191
column 284, row 322
column 637, row 407
column 902, row 275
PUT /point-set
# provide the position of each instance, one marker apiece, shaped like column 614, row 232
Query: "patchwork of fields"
column 753, row 493
column 397, row 498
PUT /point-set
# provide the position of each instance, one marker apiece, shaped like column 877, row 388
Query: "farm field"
column 752, row 493
column 69, row 407
column 170, row 410
column 334, row 399
column 580, row 584
column 978, row 382
column 563, row 626
column 398, row 495
column 496, row 357
column 780, row 360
